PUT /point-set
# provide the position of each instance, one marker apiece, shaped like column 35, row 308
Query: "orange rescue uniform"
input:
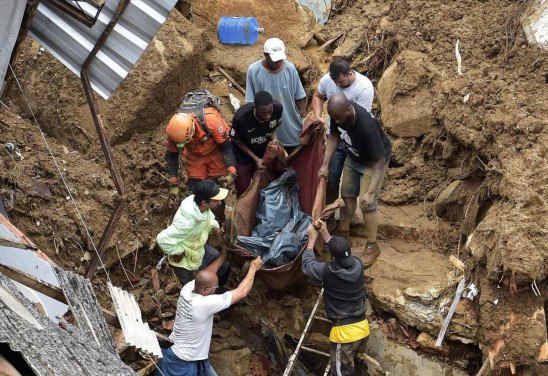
column 202, row 156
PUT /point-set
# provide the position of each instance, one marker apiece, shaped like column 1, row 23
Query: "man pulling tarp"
column 306, row 160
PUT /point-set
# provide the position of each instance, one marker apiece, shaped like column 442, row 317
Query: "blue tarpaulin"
column 282, row 227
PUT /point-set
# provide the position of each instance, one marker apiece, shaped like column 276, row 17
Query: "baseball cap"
column 340, row 250
column 209, row 190
column 275, row 48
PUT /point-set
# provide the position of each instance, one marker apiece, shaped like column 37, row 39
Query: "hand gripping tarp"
column 281, row 231
column 306, row 160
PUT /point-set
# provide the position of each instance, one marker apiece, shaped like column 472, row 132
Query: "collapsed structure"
column 467, row 177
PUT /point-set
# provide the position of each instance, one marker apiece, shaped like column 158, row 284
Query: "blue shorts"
column 172, row 365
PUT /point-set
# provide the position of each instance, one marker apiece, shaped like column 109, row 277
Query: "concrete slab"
column 405, row 222
column 417, row 286
column 399, row 360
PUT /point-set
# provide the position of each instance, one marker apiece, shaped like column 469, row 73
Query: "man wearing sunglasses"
column 207, row 150
column 193, row 325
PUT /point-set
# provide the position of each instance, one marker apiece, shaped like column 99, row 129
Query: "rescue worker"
column 368, row 153
column 253, row 128
column 184, row 241
column 193, row 325
column 344, row 297
column 207, row 150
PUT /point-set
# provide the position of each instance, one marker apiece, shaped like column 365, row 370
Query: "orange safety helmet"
column 180, row 128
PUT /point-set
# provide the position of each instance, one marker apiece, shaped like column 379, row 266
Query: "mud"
column 485, row 128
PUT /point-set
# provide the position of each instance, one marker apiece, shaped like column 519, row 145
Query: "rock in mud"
column 417, row 286
column 147, row 304
column 400, row 360
column 445, row 197
column 428, row 344
column 173, row 288
column 405, row 96
column 231, row 362
column 40, row 190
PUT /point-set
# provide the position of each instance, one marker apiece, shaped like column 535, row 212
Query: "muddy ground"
column 469, row 159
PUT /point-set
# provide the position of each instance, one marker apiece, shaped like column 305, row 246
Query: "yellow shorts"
column 350, row 332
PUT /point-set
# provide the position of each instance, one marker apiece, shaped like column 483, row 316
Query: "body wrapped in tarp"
column 306, row 161
column 281, row 229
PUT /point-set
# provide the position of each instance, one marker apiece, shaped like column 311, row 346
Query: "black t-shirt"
column 364, row 140
column 253, row 133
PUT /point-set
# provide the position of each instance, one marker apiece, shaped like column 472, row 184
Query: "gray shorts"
column 356, row 179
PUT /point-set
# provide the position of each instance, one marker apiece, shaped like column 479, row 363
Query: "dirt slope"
column 485, row 128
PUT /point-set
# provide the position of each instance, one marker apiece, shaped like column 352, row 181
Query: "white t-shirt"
column 361, row 91
column 193, row 325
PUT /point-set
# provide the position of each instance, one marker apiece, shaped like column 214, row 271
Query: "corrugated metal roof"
column 11, row 236
column 18, row 252
column 71, row 42
column 49, row 348
column 85, row 307
column 10, row 22
column 136, row 332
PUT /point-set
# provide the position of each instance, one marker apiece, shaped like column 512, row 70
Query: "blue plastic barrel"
column 238, row 30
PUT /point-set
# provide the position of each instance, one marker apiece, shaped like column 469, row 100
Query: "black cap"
column 339, row 248
column 209, row 190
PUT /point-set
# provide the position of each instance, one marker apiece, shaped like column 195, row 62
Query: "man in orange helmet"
column 207, row 150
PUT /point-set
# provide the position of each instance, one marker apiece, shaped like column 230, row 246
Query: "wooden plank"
column 326, row 44
column 34, row 283
column 232, row 80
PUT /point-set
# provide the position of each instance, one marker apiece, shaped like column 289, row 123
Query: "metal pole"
column 105, row 145
column 293, row 358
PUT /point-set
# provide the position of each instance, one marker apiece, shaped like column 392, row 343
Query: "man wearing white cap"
column 279, row 77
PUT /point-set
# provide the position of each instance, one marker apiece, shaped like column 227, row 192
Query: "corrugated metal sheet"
column 49, row 348
column 85, row 307
column 10, row 22
column 18, row 252
column 71, row 42
column 136, row 332
column 10, row 235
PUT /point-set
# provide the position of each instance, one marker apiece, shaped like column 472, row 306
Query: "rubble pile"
column 467, row 177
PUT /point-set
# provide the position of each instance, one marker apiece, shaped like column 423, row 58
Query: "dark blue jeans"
column 210, row 255
column 171, row 365
column 335, row 172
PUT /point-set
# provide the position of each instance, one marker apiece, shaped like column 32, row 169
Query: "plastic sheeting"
column 306, row 161
column 282, row 226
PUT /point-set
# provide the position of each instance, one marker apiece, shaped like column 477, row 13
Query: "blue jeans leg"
column 335, row 173
column 171, row 365
column 207, row 369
